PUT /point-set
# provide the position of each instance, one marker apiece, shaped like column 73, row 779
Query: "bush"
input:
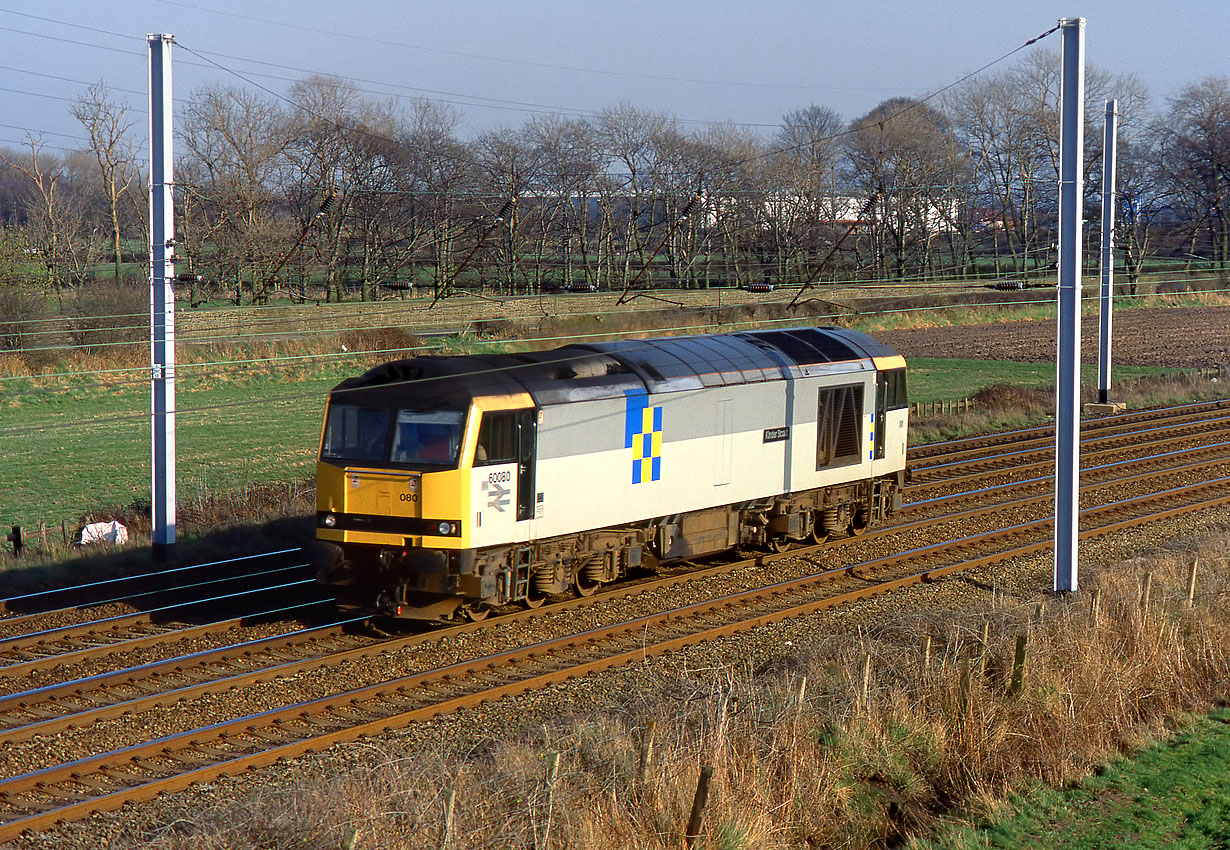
column 23, row 319
column 384, row 340
column 108, row 314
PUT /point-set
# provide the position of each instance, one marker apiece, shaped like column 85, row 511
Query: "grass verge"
column 1172, row 796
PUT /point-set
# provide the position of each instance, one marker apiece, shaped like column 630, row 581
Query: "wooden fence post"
column 1146, row 592
column 646, row 755
column 984, row 648
column 446, row 830
column 552, row 772
column 1191, row 584
column 1018, row 667
column 865, row 691
column 698, row 805
column 963, row 687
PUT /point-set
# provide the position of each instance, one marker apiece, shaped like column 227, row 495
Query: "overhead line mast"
column 162, row 298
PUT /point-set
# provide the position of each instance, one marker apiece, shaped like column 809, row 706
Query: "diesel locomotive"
column 447, row 486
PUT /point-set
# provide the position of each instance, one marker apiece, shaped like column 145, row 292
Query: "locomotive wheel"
column 533, row 601
column 779, row 544
column 584, row 587
column 860, row 523
column 475, row 613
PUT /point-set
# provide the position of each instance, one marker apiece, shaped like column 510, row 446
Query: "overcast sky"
column 710, row 61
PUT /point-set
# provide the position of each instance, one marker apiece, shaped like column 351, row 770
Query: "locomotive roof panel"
column 693, row 362
column 615, row 368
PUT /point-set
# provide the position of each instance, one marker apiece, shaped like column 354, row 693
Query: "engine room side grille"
column 839, row 426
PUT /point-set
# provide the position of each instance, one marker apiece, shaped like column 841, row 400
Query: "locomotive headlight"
column 329, row 521
column 445, row 528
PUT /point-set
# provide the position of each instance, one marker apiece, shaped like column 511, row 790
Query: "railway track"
column 103, row 782
column 1091, row 431
column 35, row 799
column 130, row 589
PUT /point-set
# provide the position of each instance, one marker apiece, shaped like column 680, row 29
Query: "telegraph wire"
column 354, row 309
column 70, row 80
column 71, row 41
column 914, row 104
column 526, row 62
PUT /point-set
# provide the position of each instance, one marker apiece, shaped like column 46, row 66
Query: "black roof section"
column 613, row 369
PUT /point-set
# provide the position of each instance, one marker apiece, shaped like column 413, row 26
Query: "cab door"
column 527, row 442
column 507, row 437
column 879, row 423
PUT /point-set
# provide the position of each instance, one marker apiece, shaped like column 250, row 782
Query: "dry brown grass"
column 880, row 746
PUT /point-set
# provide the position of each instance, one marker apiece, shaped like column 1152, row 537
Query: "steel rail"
column 36, row 643
column 1047, row 432
column 24, row 668
column 1047, row 461
column 35, row 616
column 1220, row 454
column 1180, row 432
column 7, row 603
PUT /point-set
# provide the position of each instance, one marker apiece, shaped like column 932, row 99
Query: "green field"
column 932, row 379
column 76, row 449
column 71, row 452
column 1170, row 797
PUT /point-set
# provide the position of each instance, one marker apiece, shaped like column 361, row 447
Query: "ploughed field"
column 1179, row 337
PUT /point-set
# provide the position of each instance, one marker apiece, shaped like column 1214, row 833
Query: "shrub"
column 106, row 315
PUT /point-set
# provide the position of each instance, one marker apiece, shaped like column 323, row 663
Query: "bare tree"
column 235, row 143
column 436, row 173
column 903, row 153
column 106, row 121
column 628, row 136
column 804, row 197
column 322, row 137
column 54, row 215
column 1194, row 151
column 508, row 165
column 566, row 183
column 734, row 167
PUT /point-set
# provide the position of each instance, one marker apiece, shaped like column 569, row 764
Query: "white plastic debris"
column 104, row 532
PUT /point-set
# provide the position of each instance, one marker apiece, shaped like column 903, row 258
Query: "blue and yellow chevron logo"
column 643, row 434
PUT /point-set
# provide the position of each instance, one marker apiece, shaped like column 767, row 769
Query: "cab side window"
column 894, row 387
column 497, row 439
